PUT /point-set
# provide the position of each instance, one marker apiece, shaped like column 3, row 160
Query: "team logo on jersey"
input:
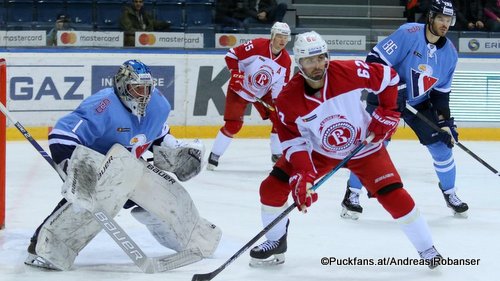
column 262, row 78
column 337, row 133
column 422, row 80
column 139, row 145
column 102, row 106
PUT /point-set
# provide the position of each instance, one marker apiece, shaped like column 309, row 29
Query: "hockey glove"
column 384, row 123
column 451, row 135
column 301, row 182
column 236, row 82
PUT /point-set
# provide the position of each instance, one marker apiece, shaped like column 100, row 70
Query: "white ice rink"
column 229, row 197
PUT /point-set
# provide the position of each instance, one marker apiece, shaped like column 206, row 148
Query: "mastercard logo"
column 147, row 39
column 227, row 40
column 68, row 38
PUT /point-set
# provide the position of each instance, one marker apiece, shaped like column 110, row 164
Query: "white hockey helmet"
column 281, row 28
column 136, row 96
column 309, row 44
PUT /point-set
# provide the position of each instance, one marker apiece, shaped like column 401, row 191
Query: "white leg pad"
column 93, row 179
column 174, row 220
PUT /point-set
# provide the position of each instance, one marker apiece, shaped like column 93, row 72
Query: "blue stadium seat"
column 47, row 11
column 171, row 12
column 199, row 14
column 81, row 13
column 108, row 14
column 20, row 14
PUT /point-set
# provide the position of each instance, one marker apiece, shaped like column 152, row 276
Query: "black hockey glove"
column 450, row 136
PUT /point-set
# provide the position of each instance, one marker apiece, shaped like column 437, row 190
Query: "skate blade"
column 271, row 261
column 462, row 215
column 346, row 214
column 40, row 263
column 211, row 167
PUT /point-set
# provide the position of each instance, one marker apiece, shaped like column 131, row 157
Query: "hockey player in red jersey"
column 259, row 70
column 321, row 121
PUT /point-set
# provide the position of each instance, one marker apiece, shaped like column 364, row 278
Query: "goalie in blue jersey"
column 425, row 61
column 133, row 114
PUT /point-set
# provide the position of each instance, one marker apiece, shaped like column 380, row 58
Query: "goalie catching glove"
column 184, row 159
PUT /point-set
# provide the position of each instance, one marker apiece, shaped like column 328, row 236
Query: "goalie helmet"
column 280, row 28
column 444, row 7
column 309, row 44
column 134, row 84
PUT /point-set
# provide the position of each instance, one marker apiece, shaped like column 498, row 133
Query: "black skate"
column 351, row 209
column 432, row 257
column 213, row 161
column 275, row 157
column 269, row 253
column 458, row 207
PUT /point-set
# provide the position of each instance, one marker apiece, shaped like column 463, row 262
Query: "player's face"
column 314, row 67
column 441, row 24
column 138, row 90
column 279, row 42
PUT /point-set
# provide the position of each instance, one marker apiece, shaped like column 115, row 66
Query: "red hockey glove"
column 236, row 82
column 384, row 123
column 301, row 182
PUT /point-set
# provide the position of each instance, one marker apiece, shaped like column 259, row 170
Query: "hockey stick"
column 265, row 104
column 147, row 265
column 211, row 275
column 436, row 127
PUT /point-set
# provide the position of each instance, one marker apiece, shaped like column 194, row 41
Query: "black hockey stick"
column 112, row 228
column 436, row 127
column 211, row 275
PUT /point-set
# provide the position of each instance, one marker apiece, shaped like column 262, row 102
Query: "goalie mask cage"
column 3, row 139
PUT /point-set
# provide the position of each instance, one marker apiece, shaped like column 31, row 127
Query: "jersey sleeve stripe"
column 379, row 54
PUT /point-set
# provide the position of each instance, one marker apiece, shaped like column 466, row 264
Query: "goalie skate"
column 269, row 253
column 39, row 262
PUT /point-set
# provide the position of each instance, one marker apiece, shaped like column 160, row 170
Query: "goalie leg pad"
column 93, row 181
column 184, row 161
column 171, row 215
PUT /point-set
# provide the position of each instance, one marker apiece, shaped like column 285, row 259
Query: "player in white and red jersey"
column 321, row 121
column 259, row 70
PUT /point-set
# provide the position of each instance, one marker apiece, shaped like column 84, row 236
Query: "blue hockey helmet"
column 134, row 84
column 444, row 7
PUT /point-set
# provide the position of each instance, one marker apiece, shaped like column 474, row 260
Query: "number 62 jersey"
column 333, row 120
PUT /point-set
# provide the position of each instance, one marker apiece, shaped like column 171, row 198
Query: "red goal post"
column 3, row 140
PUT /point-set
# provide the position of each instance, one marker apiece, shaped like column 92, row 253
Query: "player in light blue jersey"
column 425, row 61
column 132, row 113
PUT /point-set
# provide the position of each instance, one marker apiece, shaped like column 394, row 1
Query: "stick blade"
column 202, row 277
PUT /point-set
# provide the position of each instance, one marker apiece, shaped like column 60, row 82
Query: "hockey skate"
column 275, row 157
column 458, row 207
column 36, row 261
column 213, row 161
column 351, row 209
column 432, row 257
column 269, row 253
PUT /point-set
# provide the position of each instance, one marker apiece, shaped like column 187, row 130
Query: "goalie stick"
column 436, row 127
column 210, row 275
column 133, row 251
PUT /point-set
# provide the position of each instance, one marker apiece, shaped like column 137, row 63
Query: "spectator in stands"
column 416, row 10
column 264, row 12
column 135, row 18
column 492, row 14
column 63, row 22
column 469, row 15
column 230, row 13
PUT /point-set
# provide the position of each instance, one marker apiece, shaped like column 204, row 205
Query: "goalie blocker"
column 95, row 181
